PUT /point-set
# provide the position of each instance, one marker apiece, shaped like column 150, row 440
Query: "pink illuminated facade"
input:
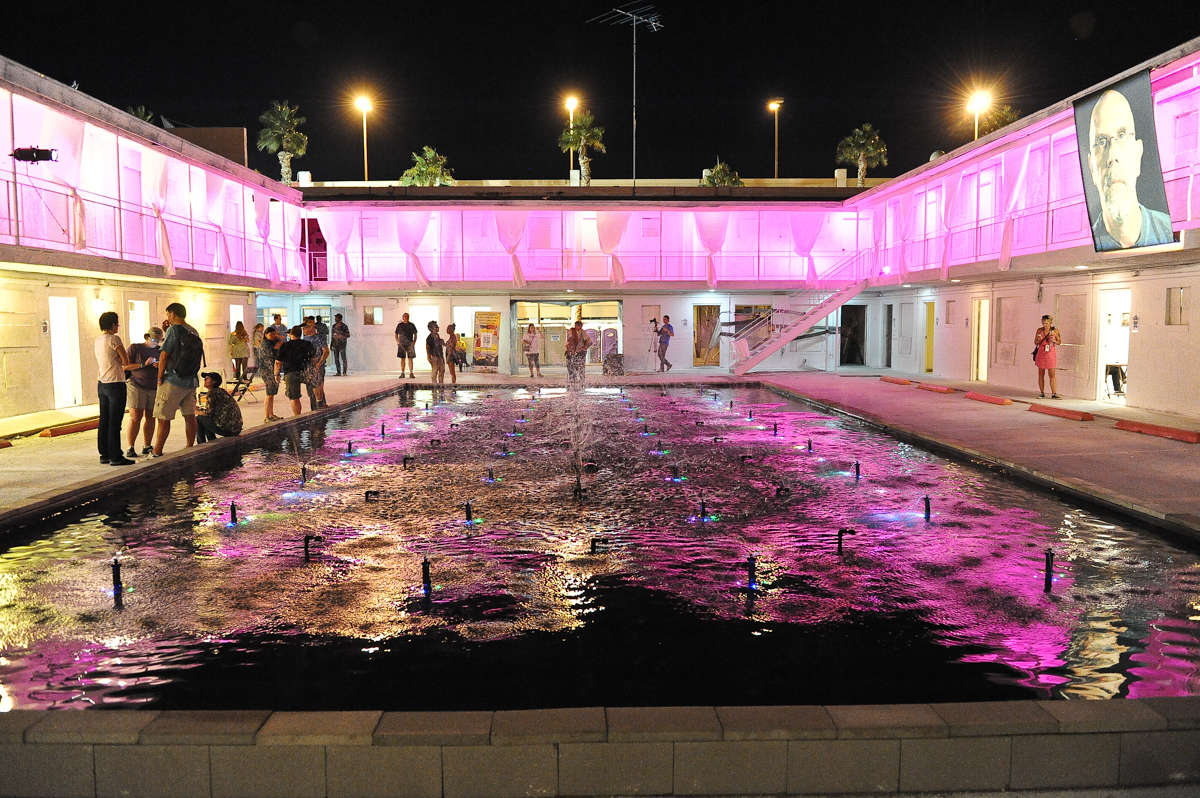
column 951, row 264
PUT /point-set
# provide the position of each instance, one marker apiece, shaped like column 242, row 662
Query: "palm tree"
column 1003, row 116
column 721, row 175
column 141, row 113
column 428, row 169
column 862, row 148
column 579, row 137
column 281, row 136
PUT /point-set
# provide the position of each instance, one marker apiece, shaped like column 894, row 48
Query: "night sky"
column 483, row 82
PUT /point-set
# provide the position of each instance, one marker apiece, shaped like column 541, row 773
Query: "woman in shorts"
column 265, row 358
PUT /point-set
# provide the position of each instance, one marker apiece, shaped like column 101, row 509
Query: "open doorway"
column 887, row 335
column 930, row 324
column 854, row 326
column 705, row 319
column 64, row 351
column 981, row 323
column 1115, row 307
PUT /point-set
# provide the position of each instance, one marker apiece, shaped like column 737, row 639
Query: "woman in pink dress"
column 1047, row 340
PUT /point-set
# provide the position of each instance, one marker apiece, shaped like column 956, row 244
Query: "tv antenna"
column 633, row 14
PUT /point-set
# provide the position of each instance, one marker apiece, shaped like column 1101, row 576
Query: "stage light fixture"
column 34, row 154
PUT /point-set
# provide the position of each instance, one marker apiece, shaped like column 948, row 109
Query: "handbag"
column 1035, row 349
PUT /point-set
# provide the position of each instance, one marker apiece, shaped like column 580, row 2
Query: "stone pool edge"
column 1178, row 526
column 594, row 751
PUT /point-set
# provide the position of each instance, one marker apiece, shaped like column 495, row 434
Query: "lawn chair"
column 241, row 386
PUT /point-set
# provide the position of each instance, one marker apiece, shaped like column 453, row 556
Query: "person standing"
column 1045, row 355
column 314, row 378
column 178, row 370
column 142, row 388
column 280, row 327
column 578, row 343
column 265, row 356
column 322, row 327
column 340, row 336
column 221, row 416
column 531, row 343
column 406, row 345
column 256, row 339
column 665, row 333
column 454, row 351
column 111, row 360
column 239, row 350
column 292, row 361
column 435, row 352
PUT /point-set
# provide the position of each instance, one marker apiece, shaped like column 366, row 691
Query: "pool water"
column 635, row 591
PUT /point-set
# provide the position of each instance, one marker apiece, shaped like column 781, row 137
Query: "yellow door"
column 929, row 325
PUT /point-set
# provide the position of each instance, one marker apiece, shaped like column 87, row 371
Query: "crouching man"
column 222, row 415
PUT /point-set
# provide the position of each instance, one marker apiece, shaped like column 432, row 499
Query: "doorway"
column 930, row 323
column 980, row 325
column 705, row 319
column 854, row 326
column 887, row 335
column 64, row 351
column 1115, row 307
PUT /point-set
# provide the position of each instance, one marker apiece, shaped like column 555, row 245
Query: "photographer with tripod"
column 665, row 333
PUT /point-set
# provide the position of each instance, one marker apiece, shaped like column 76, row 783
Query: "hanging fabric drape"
column 65, row 134
column 878, row 231
column 1013, row 189
column 610, row 227
column 510, row 227
column 154, row 196
column 338, row 227
column 950, row 193
column 411, row 227
column 294, row 262
column 214, row 196
column 711, row 229
column 806, row 228
column 906, row 224
column 262, row 223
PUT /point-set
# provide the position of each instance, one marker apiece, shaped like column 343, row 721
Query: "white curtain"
column 154, row 195
column 338, row 227
column 806, row 227
column 905, row 230
column 610, row 227
column 950, row 190
column 1012, row 196
column 510, row 226
column 65, row 134
column 711, row 228
column 262, row 223
column 292, row 220
column 214, row 196
column 411, row 227
column 878, row 236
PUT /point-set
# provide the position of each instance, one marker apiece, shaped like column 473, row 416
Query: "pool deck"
column 1152, row 479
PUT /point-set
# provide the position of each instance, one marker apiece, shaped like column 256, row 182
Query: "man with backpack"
column 178, row 370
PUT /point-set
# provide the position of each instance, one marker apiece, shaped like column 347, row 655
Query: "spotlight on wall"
column 34, row 154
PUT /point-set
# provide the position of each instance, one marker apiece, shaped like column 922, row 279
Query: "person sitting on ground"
column 222, row 415
column 292, row 361
column 435, row 352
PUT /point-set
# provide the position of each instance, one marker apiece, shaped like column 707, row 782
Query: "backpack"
column 186, row 362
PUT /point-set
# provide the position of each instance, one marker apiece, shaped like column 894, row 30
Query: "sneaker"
column 146, row 450
column 668, row 367
column 1055, row 396
column 120, row 461
column 412, row 376
column 131, row 453
column 152, row 455
column 1043, row 396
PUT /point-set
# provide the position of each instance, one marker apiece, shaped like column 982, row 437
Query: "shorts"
column 170, row 398
column 139, row 398
column 270, row 382
column 291, row 384
column 407, row 350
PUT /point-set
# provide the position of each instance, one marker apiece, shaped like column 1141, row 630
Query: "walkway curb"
column 1183, row 435
column 1062, row 412
column 925, row 386
column 983, row 397
column 896, row 380
column 70, row 429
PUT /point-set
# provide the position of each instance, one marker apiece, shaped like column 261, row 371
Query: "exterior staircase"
column 766, row 335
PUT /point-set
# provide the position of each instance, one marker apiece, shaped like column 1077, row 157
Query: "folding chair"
column 241, row 386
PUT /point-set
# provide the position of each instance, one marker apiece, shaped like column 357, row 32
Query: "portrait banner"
column 1122, row 173
column 487, row 340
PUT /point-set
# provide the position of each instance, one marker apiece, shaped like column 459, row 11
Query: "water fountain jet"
column 927, row 508
column 1049, row 584
column 118, row 587
column 844, row 531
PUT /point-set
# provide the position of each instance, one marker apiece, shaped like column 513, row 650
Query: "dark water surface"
column 522, row 612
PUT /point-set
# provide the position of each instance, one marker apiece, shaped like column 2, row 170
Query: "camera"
column 654, row 321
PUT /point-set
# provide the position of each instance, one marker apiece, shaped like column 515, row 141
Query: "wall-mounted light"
column 34, row 154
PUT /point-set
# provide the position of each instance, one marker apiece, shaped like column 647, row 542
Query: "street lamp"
column 773, row 106
column 571, row 103
column 363, row 103
column 979, row 103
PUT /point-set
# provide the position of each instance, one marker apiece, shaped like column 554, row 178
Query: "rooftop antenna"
column 632, row 14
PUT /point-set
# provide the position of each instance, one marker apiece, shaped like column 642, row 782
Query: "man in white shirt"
column 111, row 360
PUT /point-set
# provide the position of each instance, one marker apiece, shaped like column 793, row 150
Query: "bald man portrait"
column 1115, row 162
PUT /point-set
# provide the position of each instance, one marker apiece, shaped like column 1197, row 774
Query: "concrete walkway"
column 1154, row 480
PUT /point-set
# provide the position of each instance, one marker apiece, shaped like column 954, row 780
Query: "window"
column 372, row 316
column 950, row 311
column 370, row 227
column 650, row 227
column 236, row 314
column 1176, row 315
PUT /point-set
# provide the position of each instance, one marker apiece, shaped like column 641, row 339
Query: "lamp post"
column 773, row 106
column 363, row 104
column 979, row 103
column 571, row 103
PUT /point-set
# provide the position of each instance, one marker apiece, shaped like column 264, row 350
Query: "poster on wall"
column 487, row 340
column 1122, row 174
